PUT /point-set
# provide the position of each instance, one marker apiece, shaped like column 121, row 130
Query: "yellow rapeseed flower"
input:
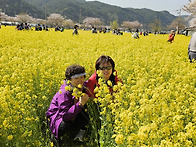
column 119, row 139
column 80, row 86
column 10, row 137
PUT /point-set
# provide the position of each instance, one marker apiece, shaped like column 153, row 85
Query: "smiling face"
column 106, row 69
column 76, row 81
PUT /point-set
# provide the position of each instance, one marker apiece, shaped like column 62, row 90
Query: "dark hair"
column 106, row 59
column 72, row 70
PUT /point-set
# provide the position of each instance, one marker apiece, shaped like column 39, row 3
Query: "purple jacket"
column 61, row 108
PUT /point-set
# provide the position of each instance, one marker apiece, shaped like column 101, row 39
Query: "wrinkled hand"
column 84, row 99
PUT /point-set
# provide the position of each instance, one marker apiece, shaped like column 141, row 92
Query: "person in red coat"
column 171, row 36
column 106, row 65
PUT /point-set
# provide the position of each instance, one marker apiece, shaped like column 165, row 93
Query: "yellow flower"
column 5, row 122
column 75, row 90
column 115, row 88
column 25, row 102
column 10, row 137
column 67, row 88
column 95, row 100
column 30, row 133
column 80, row 86
column 106, row 89
column 99, row 73
column 96, row 90
column 119, row 139
column 104, row 111
column 109, row 83
column 114, row 73
column 60, row 91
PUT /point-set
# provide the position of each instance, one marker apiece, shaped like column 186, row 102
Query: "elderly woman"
column 66, row 113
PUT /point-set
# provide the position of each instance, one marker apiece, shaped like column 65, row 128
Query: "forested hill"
column 78, row 10
column 15, row 7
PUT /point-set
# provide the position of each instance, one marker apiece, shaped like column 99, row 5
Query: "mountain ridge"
column 78, row 10
column 15, row 7
column 107, row 13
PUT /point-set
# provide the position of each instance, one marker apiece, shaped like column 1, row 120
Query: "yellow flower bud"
column 96, row 90
column 115, row 88
column 10, row 137
column 67, row 88
column 80, row 86
column 60, row 91
column 75, row 90
column 99, row 73
column 109, row 83
column 114, row 73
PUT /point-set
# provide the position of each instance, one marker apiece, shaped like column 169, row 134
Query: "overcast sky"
column 172, row 6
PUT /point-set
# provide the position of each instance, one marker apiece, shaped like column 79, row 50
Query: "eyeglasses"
column 107, row 68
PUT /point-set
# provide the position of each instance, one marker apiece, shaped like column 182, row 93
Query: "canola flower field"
column 155, row 105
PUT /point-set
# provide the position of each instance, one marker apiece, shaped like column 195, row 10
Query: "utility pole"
column 45, row 13
column 0, row 18
column 179, row 12
column 80, row 16
column 179, row 15
column 0, row 15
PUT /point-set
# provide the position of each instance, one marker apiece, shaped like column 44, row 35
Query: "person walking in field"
column 75, row 31
column 66, row 112
column 192, row 48
column 171, row 36
column 136, row 35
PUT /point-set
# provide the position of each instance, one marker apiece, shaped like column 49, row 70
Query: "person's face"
column 76, row 81
column 106, row 69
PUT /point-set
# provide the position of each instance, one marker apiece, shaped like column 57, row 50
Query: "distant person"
column 75, row 32
column 57, row 28
column 192, row 48
column 145, row 33
column 62, row 29
column 104, row 30
column 135, row 35
column 94, row 30
column 114, row 31
column 119, row 32
column 171, row 36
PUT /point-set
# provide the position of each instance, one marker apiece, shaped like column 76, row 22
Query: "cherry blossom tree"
column 68, row 23
column 179, row 24
column 192, row 22
column 23, row 17
column 93, row 22
column 3, row 16
column 39, row 21
column 191, row 8
column 55, row 19
column 131, row 25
